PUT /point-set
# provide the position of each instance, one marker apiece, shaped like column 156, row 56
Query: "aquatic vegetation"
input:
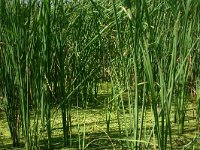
column 117, row 73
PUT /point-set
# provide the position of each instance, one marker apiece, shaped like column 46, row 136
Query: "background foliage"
column 55, row 55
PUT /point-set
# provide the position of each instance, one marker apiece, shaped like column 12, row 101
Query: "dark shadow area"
column 93, row 141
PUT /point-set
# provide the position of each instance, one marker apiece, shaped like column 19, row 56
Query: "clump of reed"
column 58, row 52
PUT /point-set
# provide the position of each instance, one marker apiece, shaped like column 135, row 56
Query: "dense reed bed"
column 55, row 55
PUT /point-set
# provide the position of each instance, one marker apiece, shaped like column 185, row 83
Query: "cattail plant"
column 55, row 56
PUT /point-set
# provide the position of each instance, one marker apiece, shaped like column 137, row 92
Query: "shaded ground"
column 96, row 133
column 93, row 122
